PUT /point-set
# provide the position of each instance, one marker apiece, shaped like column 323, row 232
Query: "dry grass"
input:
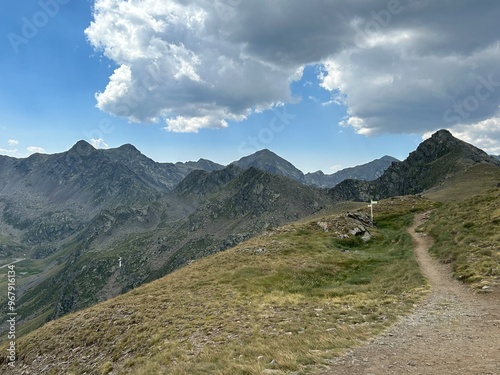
column 467, row 235
column 288, row 300
column 476, row 180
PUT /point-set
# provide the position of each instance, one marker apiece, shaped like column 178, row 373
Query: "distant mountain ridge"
column 268, row 161
column 436, row 159
column 366, row 172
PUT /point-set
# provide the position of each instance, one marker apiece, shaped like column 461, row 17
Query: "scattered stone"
column 366, row 236
column 323, row 225
column 355, row 231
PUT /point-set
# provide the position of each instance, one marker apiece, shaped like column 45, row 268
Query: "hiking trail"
column 453, row 331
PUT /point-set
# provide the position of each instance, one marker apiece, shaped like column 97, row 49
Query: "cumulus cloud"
column 176, row 63
column 13, row 142
column 98, row 143
column 8, row 152
column 399, row 66
column 35, row 149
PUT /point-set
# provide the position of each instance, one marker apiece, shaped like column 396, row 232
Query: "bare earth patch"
column 453, row 332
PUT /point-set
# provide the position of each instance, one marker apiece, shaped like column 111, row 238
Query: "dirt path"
column 453, row 332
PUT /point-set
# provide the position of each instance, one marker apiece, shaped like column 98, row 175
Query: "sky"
column 324, row 84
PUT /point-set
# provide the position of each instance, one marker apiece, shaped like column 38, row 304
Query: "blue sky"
column 228, row 81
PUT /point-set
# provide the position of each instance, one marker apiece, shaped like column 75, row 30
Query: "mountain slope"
column 437, row 159
column 287, row 300
column 50, row 197
column 55, row 195
column 206, row 213
column 159, row 176
column 365, row 172
column 201, row 164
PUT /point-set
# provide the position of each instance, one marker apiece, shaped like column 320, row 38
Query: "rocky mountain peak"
column 388, row 158
column 270, row 162
column 128, row 149
column 444, row 143
column 443, row 134
column 82, row 148
column 265, row 152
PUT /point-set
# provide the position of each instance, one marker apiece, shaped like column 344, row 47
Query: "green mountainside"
column 287, row 300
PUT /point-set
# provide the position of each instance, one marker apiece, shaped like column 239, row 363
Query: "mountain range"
column 96, row 223
column 270, row 162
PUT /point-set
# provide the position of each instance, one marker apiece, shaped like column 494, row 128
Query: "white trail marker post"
column 371, row 208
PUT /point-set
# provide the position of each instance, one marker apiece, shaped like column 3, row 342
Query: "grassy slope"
column 476, row 180
column 289, row 299
column 466, row 228
column 467, row 235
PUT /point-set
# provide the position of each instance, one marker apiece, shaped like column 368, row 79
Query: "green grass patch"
column 467, row 235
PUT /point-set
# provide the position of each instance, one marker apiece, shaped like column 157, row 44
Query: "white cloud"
column 398, row 66
column 331, row 76
column 336, row 168
column 13, row 142
column 176, row 64
column 193, row 124
column 35, row 149
column 98, row 143
column 9, row 152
